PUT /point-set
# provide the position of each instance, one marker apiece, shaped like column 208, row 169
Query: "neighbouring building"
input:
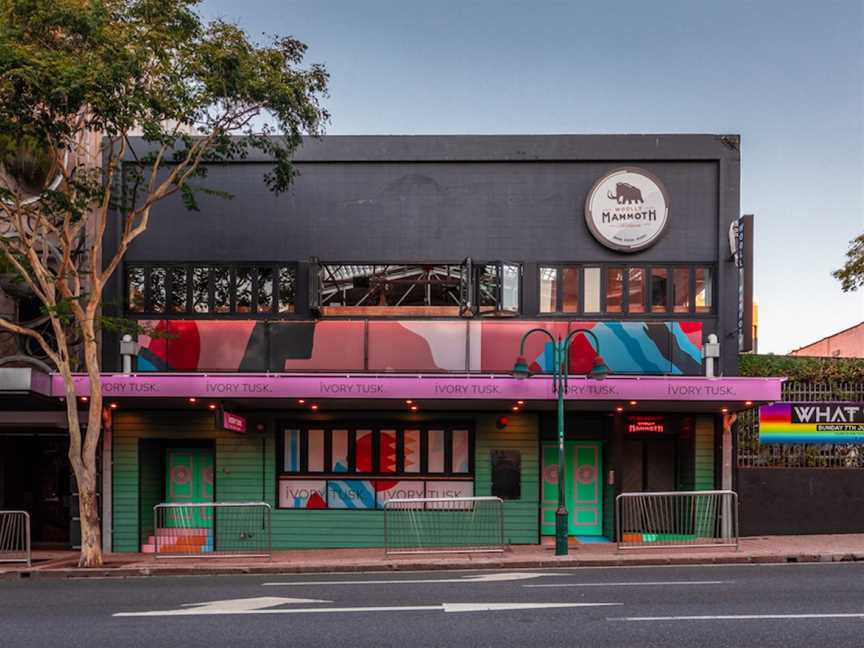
column 355, row 337
column 848, row 343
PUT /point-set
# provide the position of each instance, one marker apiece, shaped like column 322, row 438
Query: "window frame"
column 647, row 267
column 469, row 290
column 376, row 427
column 188, row 311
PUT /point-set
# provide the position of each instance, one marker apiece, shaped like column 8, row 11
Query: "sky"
column 787, row 76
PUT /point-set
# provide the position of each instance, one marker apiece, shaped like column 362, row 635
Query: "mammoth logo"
column 627, row 209
column 625, row 194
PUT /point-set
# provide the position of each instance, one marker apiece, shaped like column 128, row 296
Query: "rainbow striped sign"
column 811, row 423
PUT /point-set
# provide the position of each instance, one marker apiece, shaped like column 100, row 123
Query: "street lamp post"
column 560, row 374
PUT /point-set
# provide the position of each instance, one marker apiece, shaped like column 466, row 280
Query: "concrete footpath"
column 757, row 550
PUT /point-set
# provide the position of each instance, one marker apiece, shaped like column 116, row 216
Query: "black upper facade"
column 442, row 199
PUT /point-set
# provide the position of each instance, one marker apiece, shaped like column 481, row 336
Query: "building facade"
column 360, row 330
column 848, row 343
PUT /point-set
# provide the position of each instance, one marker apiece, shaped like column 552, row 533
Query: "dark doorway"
column 650, row 465
column 35, row 477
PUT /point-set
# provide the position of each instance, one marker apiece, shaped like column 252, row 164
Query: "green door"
column 584, row 488
column 189, row 480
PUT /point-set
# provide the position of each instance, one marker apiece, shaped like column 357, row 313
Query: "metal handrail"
column 219, row 545
column 694, row 519
column 466, row 536
column 15, row 537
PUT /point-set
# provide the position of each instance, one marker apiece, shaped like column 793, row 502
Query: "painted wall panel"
column 631, row 347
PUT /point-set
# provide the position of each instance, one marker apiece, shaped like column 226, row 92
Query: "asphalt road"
column 772, row 605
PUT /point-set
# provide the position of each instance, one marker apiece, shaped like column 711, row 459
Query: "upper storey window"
column 626, row 290
column 210, row 289
column 417, row 290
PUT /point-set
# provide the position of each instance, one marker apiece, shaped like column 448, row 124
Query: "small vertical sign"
column 744, row 262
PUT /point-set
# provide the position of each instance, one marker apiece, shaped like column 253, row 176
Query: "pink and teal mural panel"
column 488, row 346
column 364, row 494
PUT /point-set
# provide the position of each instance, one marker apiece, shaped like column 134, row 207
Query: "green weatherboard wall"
column 704, row 454
column 245, row 470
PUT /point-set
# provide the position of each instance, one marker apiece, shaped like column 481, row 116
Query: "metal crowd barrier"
column 677, row 519
column 213, row 529
column 443, row 525
column 15, row 537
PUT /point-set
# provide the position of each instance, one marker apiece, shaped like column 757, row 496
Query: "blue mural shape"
column 350, row 494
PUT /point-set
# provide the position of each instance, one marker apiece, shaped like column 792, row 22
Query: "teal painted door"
column 584, row 490
column 189, row 480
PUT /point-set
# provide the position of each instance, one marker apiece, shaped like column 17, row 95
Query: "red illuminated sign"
column 647, row 424
column 233, row 423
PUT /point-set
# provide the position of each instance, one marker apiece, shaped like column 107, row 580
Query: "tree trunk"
column 91, row 535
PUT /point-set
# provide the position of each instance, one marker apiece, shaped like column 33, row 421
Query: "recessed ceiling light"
column 192, row 400
column 212, row 406
column 408, row 401
column 632, row 402
column 748, row 403
column 515, row 408
column 314, row 407
column 619, row 409
column 520, row 402
column 113, row 405
column 413, row 408
column 724, row 409
column 301, row 400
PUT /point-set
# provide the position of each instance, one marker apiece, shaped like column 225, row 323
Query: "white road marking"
column 485, row 607
column 228, row 606
column 480, row 578
column 633, row 583
column 265, row 605
column 744, row 617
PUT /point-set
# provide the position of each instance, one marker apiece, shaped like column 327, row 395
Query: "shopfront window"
column 559, row 289
column 390, row 289
column 659, row 290
column 548, row 290
column 341, row 466
column 570, row 289
column 614, row 290
column 636, row 290
column 681, row 290
column 417, row 290
column 189, row 289
column 625, row 290
column 592, row 289
column 704, row 290
column 135, row 287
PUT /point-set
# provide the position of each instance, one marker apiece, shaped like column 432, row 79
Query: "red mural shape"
column 363, row 451
column 315, row 501
column 392, row 347
column 336, row 345
column 387, row 451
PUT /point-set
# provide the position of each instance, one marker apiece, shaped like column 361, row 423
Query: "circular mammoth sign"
column 627, row 209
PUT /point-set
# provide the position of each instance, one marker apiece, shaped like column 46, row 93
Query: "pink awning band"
column 465, row 387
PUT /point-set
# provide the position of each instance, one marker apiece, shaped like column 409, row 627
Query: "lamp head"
column 599, row 369
column 520, row 369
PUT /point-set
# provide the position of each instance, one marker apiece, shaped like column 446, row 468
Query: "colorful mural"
column 303, row 493
column 489, row 346
column 387, row 451
column 339, row 450
column 363, row 450
column 365, row 494
column 411, row 451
